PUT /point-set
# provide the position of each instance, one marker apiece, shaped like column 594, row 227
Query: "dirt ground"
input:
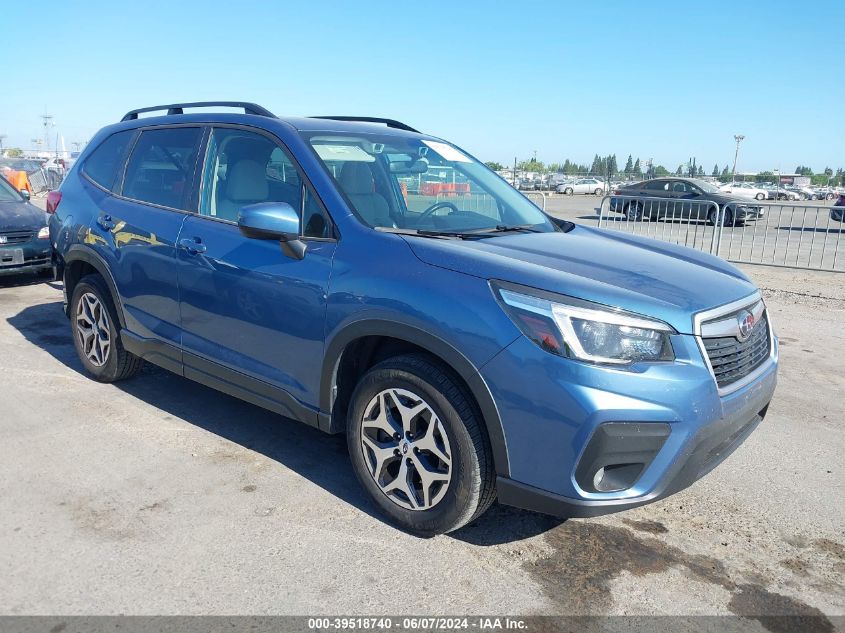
column 160, row 496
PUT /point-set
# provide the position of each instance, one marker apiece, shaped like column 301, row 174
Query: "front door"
column 253, row 318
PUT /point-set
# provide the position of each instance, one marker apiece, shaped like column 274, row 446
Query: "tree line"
column 607, row 167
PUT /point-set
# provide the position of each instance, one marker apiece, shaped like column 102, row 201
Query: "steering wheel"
column 435, row 207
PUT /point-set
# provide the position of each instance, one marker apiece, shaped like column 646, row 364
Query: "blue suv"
column 367, row 279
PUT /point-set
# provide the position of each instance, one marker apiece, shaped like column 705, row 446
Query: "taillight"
column 53, row 200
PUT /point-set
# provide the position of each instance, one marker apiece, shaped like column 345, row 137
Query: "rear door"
column 136, row 232
column 253, row 318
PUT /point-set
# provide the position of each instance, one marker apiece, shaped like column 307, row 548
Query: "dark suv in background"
column 468, row 345
column 24, row 238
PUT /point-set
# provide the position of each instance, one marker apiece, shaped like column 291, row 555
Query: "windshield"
column 397, row 182
column 705, row 186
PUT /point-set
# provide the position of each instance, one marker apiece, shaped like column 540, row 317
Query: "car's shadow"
column 316, row 456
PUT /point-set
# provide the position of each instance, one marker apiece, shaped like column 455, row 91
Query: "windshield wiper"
column 507, row 228
column 464, row 235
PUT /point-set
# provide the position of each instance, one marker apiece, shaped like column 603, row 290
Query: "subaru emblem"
column 745, row 324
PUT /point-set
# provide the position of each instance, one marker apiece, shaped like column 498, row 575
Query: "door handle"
column 193, row 245
column 106, row 222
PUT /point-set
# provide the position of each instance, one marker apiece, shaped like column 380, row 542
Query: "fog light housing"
column 618, row 453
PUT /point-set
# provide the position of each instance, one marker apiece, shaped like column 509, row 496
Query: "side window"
column 161, row 168
column 243, row 168
column 105, row 163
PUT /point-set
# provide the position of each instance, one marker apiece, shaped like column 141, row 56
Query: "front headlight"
column 587, row 331
column 44, row 233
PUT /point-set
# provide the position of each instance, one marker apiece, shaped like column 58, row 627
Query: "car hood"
column 21, row 216
column 637, row 274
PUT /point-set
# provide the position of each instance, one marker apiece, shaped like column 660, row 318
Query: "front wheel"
column 634, row 212
column 568, row 191
column 418, row 447
column 598, row 191
column 760, row 196
column 727, row 218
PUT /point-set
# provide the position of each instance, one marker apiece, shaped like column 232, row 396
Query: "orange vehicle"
column 17, row 178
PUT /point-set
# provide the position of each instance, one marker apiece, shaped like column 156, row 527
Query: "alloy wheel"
column 406, row 449
column 92, row 329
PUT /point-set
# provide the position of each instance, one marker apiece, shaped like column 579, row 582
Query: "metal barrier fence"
column 789, row 235
column 690, row 223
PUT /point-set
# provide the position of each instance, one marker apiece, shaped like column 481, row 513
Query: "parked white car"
column 745, row 190
column 582, row 185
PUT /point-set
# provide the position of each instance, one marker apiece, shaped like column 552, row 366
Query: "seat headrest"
column 356, row 178
column 247, row 181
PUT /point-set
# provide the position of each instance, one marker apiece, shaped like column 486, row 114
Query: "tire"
column 727, row 218
column 634, row 212
column 91, row 305
column 568, row 191
column 465, row 486
column 598, row 191
column 829, row 196
column 760, row 196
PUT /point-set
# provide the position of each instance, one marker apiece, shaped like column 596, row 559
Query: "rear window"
column 105, row 163
column 161, row 168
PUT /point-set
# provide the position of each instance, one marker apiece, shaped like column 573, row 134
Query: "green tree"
column 532, row 165
column 629, row 165
column 611, row 168
column 492, row 164
column 14, row 152
column 679, row 171
column 715, row 173
column 700, row 170
column 828, row 172
column 660, row 170
column 638, row 170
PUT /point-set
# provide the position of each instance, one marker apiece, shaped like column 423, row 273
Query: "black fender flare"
column 76, row 253
column 437, row 346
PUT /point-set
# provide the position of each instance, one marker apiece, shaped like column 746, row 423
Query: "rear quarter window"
column 105, row 164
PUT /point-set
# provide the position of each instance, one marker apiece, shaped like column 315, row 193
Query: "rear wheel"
column 568, row 191
column 760, row 196
column 418, row 447
column 96, row 332
column 598, row 191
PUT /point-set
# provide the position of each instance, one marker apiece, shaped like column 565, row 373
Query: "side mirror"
column 273, row 221
column 25, row 194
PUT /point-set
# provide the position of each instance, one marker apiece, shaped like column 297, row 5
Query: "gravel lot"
column 160, row 496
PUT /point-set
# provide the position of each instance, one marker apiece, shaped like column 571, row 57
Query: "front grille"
column 732, row 360
column 15, row 237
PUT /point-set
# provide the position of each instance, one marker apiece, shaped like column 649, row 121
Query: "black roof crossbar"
column 371, row 119
column 177, row 108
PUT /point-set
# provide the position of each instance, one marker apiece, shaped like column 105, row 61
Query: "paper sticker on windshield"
column 345, row 153
column 448, row 152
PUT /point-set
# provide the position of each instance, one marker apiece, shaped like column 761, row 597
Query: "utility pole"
column 2, row 138
column 47, row 122
column 738, row 138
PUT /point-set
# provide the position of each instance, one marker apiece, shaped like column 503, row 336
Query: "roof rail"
column 177, row 108
column 371, row 119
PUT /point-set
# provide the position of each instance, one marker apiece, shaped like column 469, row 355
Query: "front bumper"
column 35, row 257
column 552, row 408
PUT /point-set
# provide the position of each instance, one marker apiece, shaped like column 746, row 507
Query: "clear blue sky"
column 501, row 79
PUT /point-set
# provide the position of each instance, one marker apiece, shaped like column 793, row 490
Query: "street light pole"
column 738, row 138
